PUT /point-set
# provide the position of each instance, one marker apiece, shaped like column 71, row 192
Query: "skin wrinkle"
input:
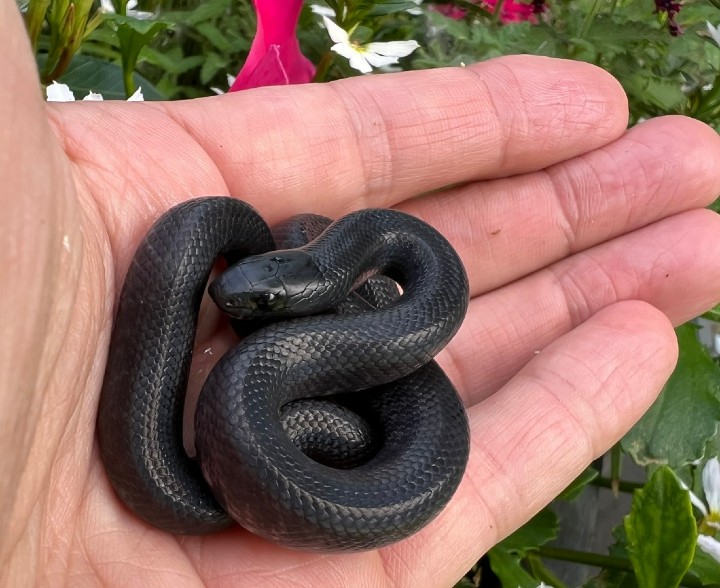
column 372, row 134
column 498, row 122
column 53, row 319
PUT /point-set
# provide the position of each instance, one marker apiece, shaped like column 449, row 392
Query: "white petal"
column 694, row 498
column 359, row 63
column 140, row 14
column 59, row 93
column 131, row 5
column 107, row 6
column 357, row 60
column 336, row 33
column 345, row 49
column 711, row 484
column 231, row 79
column 93, row 97
column 698, row 503
column 710, row 546
column 393, row 48
column 378, row 60
column 217, row 91
column 322, row 10
column 714, row 32
column 137, row 96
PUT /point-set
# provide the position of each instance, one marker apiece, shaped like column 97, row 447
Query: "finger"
column 505, row 229
column 671, row 264
column 40, row 247
column 366, row 142
column 531, row 439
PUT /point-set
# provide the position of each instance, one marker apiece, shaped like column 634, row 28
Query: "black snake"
column 249, row 469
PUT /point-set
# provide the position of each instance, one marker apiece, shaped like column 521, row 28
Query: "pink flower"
column 275, row 58
column 450, row 10
column 512, row 10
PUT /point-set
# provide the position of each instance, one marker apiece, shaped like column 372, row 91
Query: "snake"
column 327, row 369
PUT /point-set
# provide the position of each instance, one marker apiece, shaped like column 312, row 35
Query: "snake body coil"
column 254, row 470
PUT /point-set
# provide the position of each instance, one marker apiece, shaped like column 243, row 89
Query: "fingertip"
column 561, row 92
column 691, row 150
column 641, row 328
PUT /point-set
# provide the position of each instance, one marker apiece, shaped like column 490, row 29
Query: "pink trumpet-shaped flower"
column 275, row 58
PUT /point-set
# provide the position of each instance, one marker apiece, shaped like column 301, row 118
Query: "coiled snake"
column 249, row 469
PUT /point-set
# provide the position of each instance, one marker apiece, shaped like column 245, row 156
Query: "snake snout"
column 242, row 292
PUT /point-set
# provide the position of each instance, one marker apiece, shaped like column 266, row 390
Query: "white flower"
column 136, row 97
column 59, row 93
column 711, row 486
column 416, row 11
column 364, row 57
column 322, row 10
column 714, row 32
column 230, row 82
column 109, row 8
column 92, row 96
column 711, row 512
column 62, row 93
column 710, row 546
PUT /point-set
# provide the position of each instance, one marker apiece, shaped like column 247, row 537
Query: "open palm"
column 583, row 243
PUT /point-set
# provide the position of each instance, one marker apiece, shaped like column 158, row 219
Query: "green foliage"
column 578, row 484
column 507, row 557
column 90, row 74
column 661, row 531
column 684, row 418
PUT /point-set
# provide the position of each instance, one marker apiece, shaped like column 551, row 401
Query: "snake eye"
column 266, row 299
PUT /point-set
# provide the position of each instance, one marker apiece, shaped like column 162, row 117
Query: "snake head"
column 275, row 284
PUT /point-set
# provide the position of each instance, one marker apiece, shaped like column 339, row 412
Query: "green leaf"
column 660, row 92
column 206, row 10
column 713, row 314
column 615, row 578
column 578, row 484
column 89, row 74
column 506, row 557
column 661, row 531
column 608, row 36
column 214, row 36
column 390, row 6
column 612, row 579
column 684, row 417
column 506, row 566
column 537, row 531
column 146, row 26
column 171, row 61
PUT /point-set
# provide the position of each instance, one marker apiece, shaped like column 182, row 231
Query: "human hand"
column 582, row 242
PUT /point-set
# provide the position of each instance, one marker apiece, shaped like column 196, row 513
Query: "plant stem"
column 600, row 561
column 128, row 81
column 615, row 467
column 543, row 574
column 583, row 557
column 621, row 485
column 323, row 67
column 589, row 18
column 497, row 10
